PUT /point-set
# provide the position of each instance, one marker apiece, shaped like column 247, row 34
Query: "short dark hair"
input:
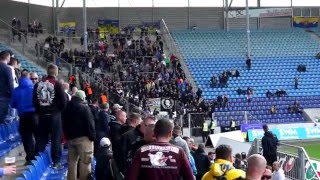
column 163, row 127
column 52, row 70
column 13, row 60
column 25, row 73
column 223, row 152
column 133, row 117
column 4, row 55
column 265, row 127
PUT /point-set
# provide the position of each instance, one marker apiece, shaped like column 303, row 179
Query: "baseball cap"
column 105, row 142
column 80, row 94
column 117, row 106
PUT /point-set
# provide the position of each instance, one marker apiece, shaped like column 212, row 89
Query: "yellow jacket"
column 222, row 167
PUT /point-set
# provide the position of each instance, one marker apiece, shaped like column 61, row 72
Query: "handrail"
column 173, row 48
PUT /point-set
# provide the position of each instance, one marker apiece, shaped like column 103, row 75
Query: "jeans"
column 80, row 150
column 4, row 108
column 28, row 128
column 50, row 124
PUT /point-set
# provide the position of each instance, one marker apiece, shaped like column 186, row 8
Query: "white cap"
column 117, row 106
column 105, row 142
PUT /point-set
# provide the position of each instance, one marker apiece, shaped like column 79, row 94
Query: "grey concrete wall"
column 176, row 18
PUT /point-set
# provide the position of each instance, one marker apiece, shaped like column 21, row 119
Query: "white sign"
column 267, row 12
column 234, row 135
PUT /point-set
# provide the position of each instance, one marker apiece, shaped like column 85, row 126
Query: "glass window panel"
column 275, row 3
column 305, row 3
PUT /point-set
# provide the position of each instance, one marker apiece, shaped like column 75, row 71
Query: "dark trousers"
column 205, row 135
column 270, row 158
column 28, row 127
column 4, row 108
column 50, row 124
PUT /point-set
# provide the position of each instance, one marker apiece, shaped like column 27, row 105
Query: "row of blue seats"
column 40, row 168
column 9, row 136
column 266, row 121
column 214, row 95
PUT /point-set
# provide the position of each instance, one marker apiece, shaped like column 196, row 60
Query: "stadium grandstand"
column 141, row 89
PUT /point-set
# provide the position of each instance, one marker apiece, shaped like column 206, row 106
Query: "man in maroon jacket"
column 160, row 160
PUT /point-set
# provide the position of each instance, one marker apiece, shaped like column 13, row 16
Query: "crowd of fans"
column 137, row 147
column 34, row 28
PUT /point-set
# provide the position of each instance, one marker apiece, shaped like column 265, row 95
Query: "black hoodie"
column 269, row 143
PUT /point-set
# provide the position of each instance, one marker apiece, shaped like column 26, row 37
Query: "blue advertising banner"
column 287, row 133
column 246, row 127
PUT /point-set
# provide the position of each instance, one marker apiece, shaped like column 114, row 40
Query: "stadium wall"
column 176, row 18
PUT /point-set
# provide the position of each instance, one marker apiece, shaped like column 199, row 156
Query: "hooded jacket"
column 22, row 96
column 220, row 168
column 269, row 143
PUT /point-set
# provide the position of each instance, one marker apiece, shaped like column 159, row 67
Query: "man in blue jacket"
column 6, row 84
column 22, row 100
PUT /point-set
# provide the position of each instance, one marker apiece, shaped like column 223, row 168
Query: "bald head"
column 121, row 117
column 256, row 166
column 34, row 77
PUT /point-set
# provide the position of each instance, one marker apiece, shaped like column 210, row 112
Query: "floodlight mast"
column 248, row 30
column 85, row 33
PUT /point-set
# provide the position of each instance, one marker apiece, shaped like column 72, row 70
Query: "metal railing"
column 11, row 32
column 294, row 160
column 173, row 48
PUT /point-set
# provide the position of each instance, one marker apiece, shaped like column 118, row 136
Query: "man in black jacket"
column 202, row 161
column 103, row 169
column 49, row 100
column 78, row 125
column 269, row 145
column 136, row 134
column 6, row 85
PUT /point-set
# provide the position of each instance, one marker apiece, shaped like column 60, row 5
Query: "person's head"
column 74, row 90
column 4, row 57
column 121, row 117
column 265, row 128
column 81, row 95
column 149, row 134
column 211, row 155
column 65, row 86
column 14, row 62
column 145, row 123
column 52, row 70
column 105, row 142
column 238, row 156
column 34, row 77
column 201, row 148
column 103, row 106
column 116, row 107
column 163, row 129
column 134, row 119
column 25, row 73
column 256, row 166
column 224, row 152
column 276, row 165
column 176, row 131
column 267, row 174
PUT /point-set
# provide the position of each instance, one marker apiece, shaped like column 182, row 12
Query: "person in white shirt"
column 278, row 173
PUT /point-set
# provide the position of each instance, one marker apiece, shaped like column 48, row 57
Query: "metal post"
column 189, row 122
column 227, row 15
column 53, row 19
column 223, row 15
column 85, row 33
column 189, row 25
column 152, row 10
column 256, row 146
column 57, row 17
column 248, row 30
column 119, row 14
column 28, row 12
column 302, row 164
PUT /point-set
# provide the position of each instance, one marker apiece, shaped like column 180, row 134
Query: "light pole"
column 248, row 30
column 85, row 33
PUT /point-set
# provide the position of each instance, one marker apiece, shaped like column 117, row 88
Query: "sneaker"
column 57, row 166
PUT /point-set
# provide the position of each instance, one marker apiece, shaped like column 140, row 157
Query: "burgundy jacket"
column 159, row 161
